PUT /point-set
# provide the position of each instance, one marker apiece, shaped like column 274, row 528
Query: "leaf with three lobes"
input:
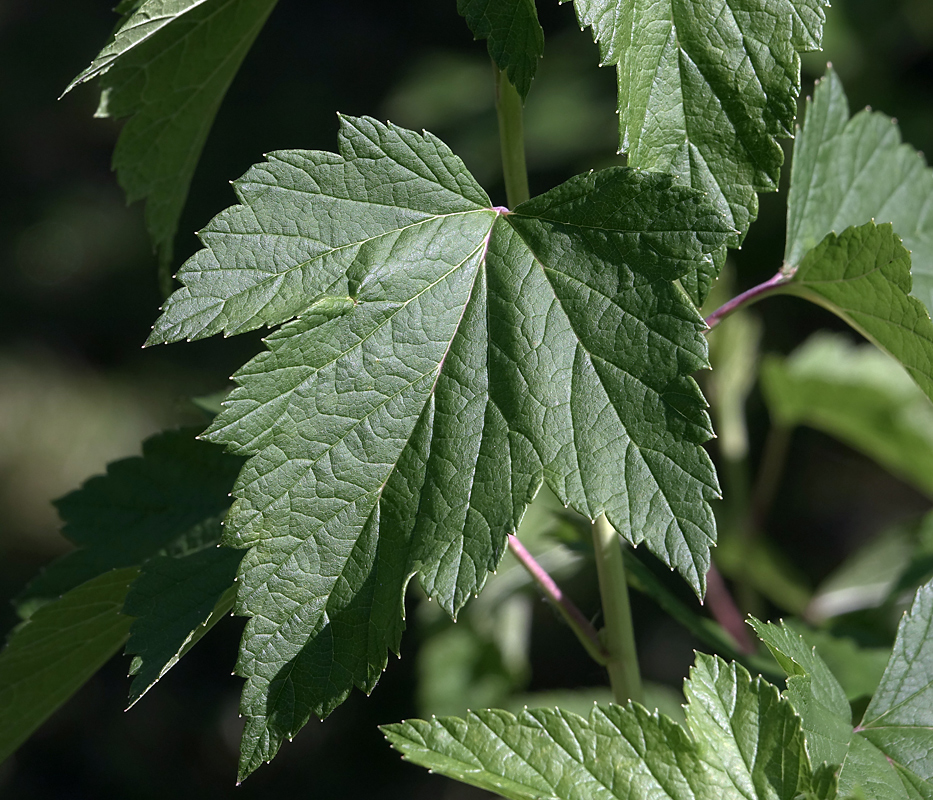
column 53, row 653
column 705, row 87
column 888, row 755
column 741, row 742
column 447, row 357
column 850, row 171
column 863, row 276
column 168, row 502
column 515, row 38
column 168, row 68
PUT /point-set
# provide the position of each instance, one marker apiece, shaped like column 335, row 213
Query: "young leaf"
column 170, row 501
column 860, row 396
column 204, row 41
column 51, row 655
column 863, row 276
column 175, row 602
column 887, row 756
column 515, row 38
column 704, row 89
column 448, row 356
column 849, row 171
column 738, row 731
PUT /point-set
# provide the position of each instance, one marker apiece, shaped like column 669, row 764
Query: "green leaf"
column 170, row 502
column 448, row 357
column 51, row 655
column 849, row 171
column 176, row 601
column 741, row 741
column 813, row 691
column 515, row 38
column 860, row 396
column 705, row 88
column 888, row 755
column 167, row 68
column 863, row 276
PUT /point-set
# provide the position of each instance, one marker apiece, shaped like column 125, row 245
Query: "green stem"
column 511, row 140
column 618, row 634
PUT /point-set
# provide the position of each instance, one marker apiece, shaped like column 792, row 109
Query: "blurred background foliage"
column 77, row 391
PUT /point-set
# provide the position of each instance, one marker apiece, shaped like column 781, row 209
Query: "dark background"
column 79, row 296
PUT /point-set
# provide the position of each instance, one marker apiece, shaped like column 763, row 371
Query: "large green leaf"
column 863, row 276
column 887, row 756
column 51, row 655
column 849, row 171
column 515, row 38
column 705, row 87
column 170, row 502
column 860, row 396
column 167, row 68
column 741, row 741
column 448, row 356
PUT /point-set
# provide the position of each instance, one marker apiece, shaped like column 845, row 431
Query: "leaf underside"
column 705, row 89
column 850, row 171
column 446, row 358
column 514, row 36
column 156, row 42
column 888, row 755
column 741, row 741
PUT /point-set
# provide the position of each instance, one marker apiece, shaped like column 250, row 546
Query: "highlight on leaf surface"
column 439, row 358
column 741, row 740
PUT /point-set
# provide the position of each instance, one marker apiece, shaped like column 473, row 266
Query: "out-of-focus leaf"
column 51, row 655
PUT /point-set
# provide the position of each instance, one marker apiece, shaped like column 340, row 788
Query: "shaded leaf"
column 169, row 501
column 514, row 35
column 448, row 356
column 705, row 88
column 740, row 741
column 849, row 171
column 175, row 602
column 53, row 653
column 167, row 68
column 863, row 276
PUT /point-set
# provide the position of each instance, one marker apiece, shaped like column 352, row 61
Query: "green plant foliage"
column 887, row 755
column 863, row 276
column 176, row 601
column 169, row 502
column 860, row 396
column 704, row 90
column 456, row 354
column 849, row 171
column 168, row 68
column 737, row 732
column 514, row 35
column 51, row 655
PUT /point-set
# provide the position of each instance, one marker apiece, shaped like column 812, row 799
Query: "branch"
column 579, row 624
column 747, row 297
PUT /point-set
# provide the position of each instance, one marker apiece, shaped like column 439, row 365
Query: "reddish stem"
column 746, row 298
column 725, row 611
